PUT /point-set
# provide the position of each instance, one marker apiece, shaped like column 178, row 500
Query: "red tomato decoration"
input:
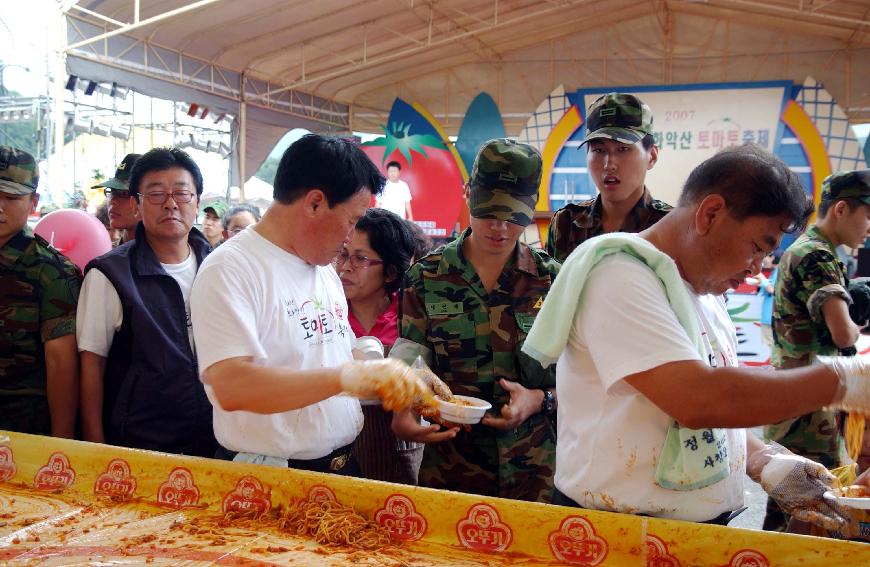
column 428, row 167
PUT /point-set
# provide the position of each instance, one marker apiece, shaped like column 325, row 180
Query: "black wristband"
column 548, row 405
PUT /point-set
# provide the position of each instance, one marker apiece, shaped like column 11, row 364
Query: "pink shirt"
column 386, row 328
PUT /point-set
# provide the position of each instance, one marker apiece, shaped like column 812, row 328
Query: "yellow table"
column 68, row 502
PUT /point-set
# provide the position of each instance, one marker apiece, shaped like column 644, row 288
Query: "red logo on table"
column 657, row 554
column 577, row 543
column 748, row 558
column 320, row 493
column 483, row 530
column 400, row 517
column 247, row 497
column 179, row 489
column 7, row 464
column 57, row 474
column 117, row 481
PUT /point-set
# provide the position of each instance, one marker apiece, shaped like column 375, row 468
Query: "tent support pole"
column 56, row 171
column 243, row 129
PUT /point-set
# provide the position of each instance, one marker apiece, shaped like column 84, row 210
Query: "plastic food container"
column 464, row 409
column 369, row 348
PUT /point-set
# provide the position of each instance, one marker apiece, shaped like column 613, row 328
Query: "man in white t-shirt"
column 279, row 384
column 396, row 196
column 645, row 352
column 140, row 386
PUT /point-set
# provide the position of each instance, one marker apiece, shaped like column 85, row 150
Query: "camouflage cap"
column 618, row 116
column 504, row 181
column 847, row 185
column 18, row 172
column 121, row 181
column 218, row 207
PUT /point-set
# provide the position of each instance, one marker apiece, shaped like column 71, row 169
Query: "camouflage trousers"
column 25, row 414
column 817, row 436
column 517, row 464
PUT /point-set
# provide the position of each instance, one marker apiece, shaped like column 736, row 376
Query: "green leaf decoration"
column 739, row 309
column 398, row 136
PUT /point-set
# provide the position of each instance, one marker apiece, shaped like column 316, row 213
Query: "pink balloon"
column 79, row 236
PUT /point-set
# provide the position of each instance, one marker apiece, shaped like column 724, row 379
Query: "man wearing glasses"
column 140, row 385
column 123, row 212
column 239, row 218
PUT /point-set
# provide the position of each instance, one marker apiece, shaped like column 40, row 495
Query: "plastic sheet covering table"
column 72, row 503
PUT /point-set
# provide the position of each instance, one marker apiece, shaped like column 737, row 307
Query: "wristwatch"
column 548, row 406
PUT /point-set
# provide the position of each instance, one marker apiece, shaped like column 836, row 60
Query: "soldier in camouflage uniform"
column 122, row 209
column 620, row 150
column 811, row 313
column 39, row 289
column 467, row 308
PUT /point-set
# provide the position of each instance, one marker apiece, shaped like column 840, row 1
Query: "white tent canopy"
column 255, row 188
column 337, row 65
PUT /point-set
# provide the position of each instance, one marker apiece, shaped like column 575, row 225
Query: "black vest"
column 153, row 398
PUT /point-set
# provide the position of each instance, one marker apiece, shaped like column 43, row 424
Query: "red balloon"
column 79, row 236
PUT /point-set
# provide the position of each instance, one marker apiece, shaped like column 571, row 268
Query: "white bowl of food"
column 463, row 409
column 855, row 496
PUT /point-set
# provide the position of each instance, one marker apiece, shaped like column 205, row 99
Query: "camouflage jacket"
column 809, row 273
column 39, row 290
column 474, row 339
column 576, row 223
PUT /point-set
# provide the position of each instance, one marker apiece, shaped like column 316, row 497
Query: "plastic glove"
column 436, row 384
column 428, row 409
column 797, row 484
column 854, row 373
column 391, row 380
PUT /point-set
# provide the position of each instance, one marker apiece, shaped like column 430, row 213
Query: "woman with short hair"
column 372, row 266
